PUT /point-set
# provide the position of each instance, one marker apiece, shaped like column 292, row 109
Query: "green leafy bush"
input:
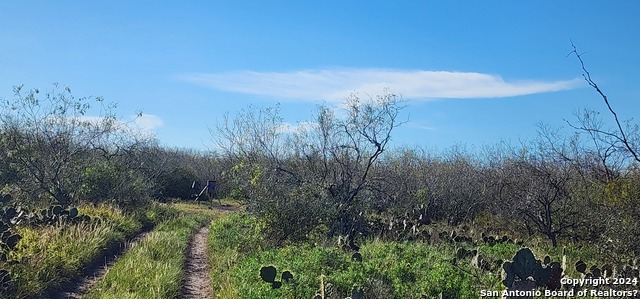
column 113, row 182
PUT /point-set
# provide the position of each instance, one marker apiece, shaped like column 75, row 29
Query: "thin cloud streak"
column 335, row 85
column 421, row 126
column 148, row 122
column 289, row 128
column 143, row 123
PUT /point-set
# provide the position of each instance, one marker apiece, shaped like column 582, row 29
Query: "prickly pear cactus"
column 555, row 275
column 287, row 276
column 357, row 293
column 581, row 267
column 511, row 275
column 268, row 274
column 526, row 270
column 524, row 263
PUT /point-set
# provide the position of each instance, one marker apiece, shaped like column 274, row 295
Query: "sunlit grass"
column 153, row 268
column 51, row 256
column 388, row 269
column 195, row 208
column 231, row 237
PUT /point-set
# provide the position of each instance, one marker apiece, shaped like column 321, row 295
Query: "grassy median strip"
column 232, row 237
column 153, row 268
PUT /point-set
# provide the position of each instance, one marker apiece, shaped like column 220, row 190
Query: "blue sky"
column 472, row 72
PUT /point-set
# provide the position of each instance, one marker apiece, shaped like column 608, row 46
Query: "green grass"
column 153, row 268
column 51, row 256
column 195, row 208
column 388, row 269
column 232, row 237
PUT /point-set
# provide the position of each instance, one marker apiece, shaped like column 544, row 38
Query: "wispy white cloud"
column 335, row 85
column 142, row 123
column 286, row 127
column 421, row 126
column 148, row 122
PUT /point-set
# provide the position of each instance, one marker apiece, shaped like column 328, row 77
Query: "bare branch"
column 587, row 77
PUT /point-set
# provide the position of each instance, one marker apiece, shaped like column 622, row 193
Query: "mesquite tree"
column 319, row 173
column 49, row 139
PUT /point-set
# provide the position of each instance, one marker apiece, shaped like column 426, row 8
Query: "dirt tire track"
column 79, row 288
column 197, row 282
